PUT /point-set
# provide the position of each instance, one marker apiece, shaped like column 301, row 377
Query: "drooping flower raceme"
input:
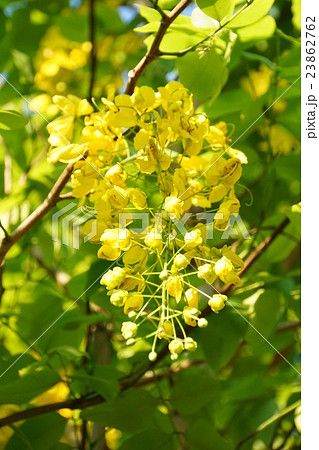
column 150, row 156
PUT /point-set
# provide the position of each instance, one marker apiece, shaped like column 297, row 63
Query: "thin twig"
column 153, row 52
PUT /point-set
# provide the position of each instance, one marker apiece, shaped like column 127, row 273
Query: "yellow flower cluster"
column 151, row 153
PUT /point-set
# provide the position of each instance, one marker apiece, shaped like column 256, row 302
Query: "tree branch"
column 135, row 378
column 34, row 217
column 153, row 52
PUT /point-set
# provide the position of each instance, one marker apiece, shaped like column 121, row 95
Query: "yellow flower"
column 118, row 297
column 192, row 297
column 193, row 238
column 134, row 302
column 143, row 98
column 258, row 81
column 112, row 437
column 180, row 261
column 118, row 197
column 166, row 331
column 116, row 175
column 217, row 302
column 109, row 253
column 174, row 205
column 175, row 287
column 129, row 330
column 226, row 209
column 225, row 270
column 190, row 344
column 206, row 272
column 223, row 266
column 218, row 193
column 66, row 153
column 233, row 153
column 153, row 239
column 151, row 156
column 134, row 255
column 113, row 278
column 138, row 198
column 231, row 172
column 176, row 346
column 117, row 238
column 190, row 315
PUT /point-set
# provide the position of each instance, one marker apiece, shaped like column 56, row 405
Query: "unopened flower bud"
column 152, row 356
column 202, row 323
column 217, row 302
column 190, row 344
column 129, row 330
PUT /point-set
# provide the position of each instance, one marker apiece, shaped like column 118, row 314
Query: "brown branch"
column 67, row 196
column 85, row 401
column 153, row 52
column 263, row 245
column 135, row 378
column 34, row 217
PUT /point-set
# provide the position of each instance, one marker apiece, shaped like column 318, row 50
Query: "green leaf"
column 204, row 76
column 263, row 29
column 217, row 9
column 256, row 57
column 28, row 387
column 202, row 434
column 131, row 411
column 189, row 397
column 267, row 310
column 39, row 433
column 219, row 345
column 161, row 441
column 104, row 381
column 228, row 102
column 254, row 12
column 150, row 14
column 12, row 120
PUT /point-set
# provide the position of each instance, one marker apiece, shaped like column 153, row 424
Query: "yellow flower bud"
column 153, row 239
column 175, row 287
column 113, row 278
column 193, row 238
column 166, row 330
column 180, row 261
column 223, row 267
column 134, row 302
column 217, row 302
column 152, row 356
column 190, row 344
column 190, row 316
column 192, row 297
column 202, row 322
column 206, row 272
column 118, row 297
column 175, row 346
column 129, row 330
